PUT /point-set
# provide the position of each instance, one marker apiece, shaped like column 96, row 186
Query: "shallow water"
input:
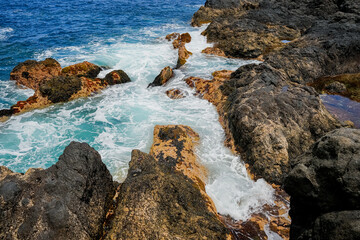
column 343, row 108
column 122, row 117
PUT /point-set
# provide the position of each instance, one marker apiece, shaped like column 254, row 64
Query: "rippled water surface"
column 127, row 35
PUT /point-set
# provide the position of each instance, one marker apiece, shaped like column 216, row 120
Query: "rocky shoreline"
column 272, row 116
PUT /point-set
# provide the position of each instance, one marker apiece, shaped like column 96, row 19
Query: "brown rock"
column 30, row 73
column 84, row 69
column 116, row 77
column 157, row 200
column 165, row 75
column 185, row 38
column 214, row 51
column 174, row 94
column 69, row 200
column 172, row 36
column 183, row 55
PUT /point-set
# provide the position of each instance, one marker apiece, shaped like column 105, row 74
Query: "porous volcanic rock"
column 159, row 199
column 172, row 93
column 66, row 201
column 84, row 69
column 214, row 51
column 31, row 73
column 164, row 76
column 116, row 77
column 324, row 185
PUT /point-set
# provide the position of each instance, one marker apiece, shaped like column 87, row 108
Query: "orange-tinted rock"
column 184, row 54
column 176, row 43
column 174, row 94
column 116, row 77
column 214, row 51
column 210, row 90
column 172, row 36
column 185, row 38
column 163, row 196
column 165, row 75
column 30, row 73
column 84, row 69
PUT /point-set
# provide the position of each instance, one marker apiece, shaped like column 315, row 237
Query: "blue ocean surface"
column 127, row 35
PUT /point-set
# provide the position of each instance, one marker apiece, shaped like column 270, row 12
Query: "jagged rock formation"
column 66, row 201
column 163, row 196
column 165, row 75
column 271, row 115
column 175, row 94
column 52, row 86
column 324, row 186
column 31, row 73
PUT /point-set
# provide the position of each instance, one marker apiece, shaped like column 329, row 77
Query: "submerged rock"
column 159, row 199
column 165, row 75
column 84, row 69
column 324, row 186
column 31, row 73
column 172, row 93
column 66, row 201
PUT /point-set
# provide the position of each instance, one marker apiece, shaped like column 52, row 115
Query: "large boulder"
column 116, row 77
column 164, row 76
column 163, row 196
column 324, row 185
column 84, row 69
column 31, row 73
column 66, row 201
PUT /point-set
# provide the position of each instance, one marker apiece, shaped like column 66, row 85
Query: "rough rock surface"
column 84, row 69
column 172, row 93
column 270, row 112
column 74, row 82
column 183, row 53
column 116, row 77
column 66, row 201
column 214, row 51
column 324, row 186
column 165, row 75
column 31, row 73
column 159, row 199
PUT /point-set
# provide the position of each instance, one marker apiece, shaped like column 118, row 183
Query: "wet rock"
column 116, row 77
column 214, row 51
column 172, row 36
column 173, row 94
column 179, row 43
column 60, row 89
column 336, row 87
column 347, row 85
column 323, row 183
column 31, row 73
column 84, row 69
column 158, row 201
column 165, row 75
column 66, row 201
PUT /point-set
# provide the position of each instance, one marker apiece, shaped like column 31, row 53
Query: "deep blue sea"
column 127, row 35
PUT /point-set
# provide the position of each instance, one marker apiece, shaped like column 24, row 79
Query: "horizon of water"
column 122, row 117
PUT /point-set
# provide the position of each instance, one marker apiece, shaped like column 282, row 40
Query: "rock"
column 338, row 225
column 172, row 93
column 336, row 87
column 60, row 89
column 66, row 201
column 184, row 54
column 214, row 51
column 84, row 69
column 323, row 183
column 165, row 75
column 172, row 36
column 185, row 38
column 30, row 73
column 158, row 201
column 347, row 85
column 116, row 77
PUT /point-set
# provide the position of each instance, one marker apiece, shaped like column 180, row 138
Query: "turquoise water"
column 122, row 118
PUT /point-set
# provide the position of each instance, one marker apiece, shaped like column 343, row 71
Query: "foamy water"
column 122, row 117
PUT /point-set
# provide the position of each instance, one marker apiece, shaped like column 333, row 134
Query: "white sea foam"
column 5, row 32
column 123, row 117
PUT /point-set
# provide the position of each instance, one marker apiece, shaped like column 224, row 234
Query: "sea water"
column 127, row 35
